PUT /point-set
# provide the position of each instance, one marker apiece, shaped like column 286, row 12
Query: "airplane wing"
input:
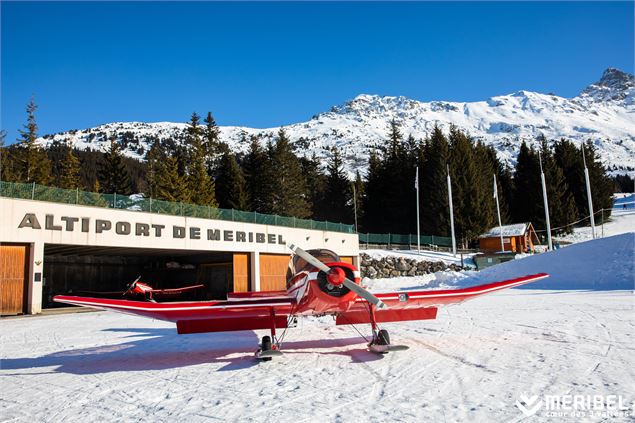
column 423, row 305
column 245, row 313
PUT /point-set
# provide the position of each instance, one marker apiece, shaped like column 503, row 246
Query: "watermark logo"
column 576, row 406
column 529, row 405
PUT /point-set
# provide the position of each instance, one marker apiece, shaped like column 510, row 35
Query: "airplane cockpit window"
column 298, row 264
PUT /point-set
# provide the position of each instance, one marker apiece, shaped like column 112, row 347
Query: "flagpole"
column 355, row 205
column 546, row 203
column 451, row 212
column 588, row 193
column 418, row 231
column 498, row 209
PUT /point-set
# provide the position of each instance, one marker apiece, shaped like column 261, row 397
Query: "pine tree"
column 390, row 193
column 36, row 167
column 96, row 198
column 569, row 159
column 287, row 196
column 562, row 209
column 488, row 165
column 504, row 178
column 359, row 192
column 374, row 216
column 316, row 186
column 623, row 183
column 435, row 212
column 601, row 184
column 212, row 145
column 8, row 170
column 153, row 163
column 231, row 189
column 69, row 177
column 337, row 199
column 201, row 185
column 113, row 175
column 258, row 176
column 527, row 205
column 171, row 185
column 398, row 174
column 473, row 212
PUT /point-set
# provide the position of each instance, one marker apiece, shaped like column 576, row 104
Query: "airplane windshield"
column 298, row 264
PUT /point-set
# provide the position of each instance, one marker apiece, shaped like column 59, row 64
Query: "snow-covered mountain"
column 603, row 112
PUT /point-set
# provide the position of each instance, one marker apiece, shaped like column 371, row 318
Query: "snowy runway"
column 472, row 363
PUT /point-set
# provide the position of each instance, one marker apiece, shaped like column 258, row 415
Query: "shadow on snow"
column 163, row 348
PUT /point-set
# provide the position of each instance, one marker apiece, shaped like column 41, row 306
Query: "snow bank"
column 601, row 264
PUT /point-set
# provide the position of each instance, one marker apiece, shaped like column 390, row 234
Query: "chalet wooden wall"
column 13, row 271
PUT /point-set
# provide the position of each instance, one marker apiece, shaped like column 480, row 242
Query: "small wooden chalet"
column 517, row 238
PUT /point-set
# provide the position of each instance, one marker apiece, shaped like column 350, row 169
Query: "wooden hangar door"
column 13, row 278
column 241, row 272
column 347, row 259
column 273, row 271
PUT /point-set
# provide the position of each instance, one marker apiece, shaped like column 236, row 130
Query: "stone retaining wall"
column 390, row 267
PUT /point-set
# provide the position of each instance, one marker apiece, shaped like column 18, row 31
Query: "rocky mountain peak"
column 614, row 85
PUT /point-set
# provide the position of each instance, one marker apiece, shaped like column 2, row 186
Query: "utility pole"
column 451, row 212
column 546, row 203
column 498, row 209
column 355, row 205
column 588, row 193
column 418, row 229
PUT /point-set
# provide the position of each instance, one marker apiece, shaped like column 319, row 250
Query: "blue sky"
column 269, row 64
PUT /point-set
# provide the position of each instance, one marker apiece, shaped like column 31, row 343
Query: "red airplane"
column 318, row 283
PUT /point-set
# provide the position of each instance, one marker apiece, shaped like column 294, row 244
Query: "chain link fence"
column 400, row 239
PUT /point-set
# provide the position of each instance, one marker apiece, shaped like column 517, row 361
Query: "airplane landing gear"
column 380, row 343
column 267, row 349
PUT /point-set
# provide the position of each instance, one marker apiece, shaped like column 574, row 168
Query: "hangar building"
column 48, row 248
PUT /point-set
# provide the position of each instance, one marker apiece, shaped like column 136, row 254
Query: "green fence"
column 114, row 201
column 400, row 239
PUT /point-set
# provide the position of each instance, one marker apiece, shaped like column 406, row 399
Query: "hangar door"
column 273, row 271
column 13, row 278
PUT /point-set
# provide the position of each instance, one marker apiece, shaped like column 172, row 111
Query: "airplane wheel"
column 383, row 338
column 266, row 343
column 266, row 346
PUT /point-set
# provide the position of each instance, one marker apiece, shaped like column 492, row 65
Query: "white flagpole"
column 588, row 193
column 355, row 205
column 498, row 209
column 546, row 203
column 418, row 230
column 451, row 212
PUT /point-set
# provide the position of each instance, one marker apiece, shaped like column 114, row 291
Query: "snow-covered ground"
column 471, row 364
column 601, row 264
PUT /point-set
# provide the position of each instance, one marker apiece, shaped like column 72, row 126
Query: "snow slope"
column 471, row 364
column 621, row 221
column 600, row 264
column 603, row 112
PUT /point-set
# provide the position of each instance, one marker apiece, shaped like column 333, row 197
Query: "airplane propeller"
column 132, row 285
column 365, row 294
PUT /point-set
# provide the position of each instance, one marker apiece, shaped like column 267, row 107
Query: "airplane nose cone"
column 336, row 276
